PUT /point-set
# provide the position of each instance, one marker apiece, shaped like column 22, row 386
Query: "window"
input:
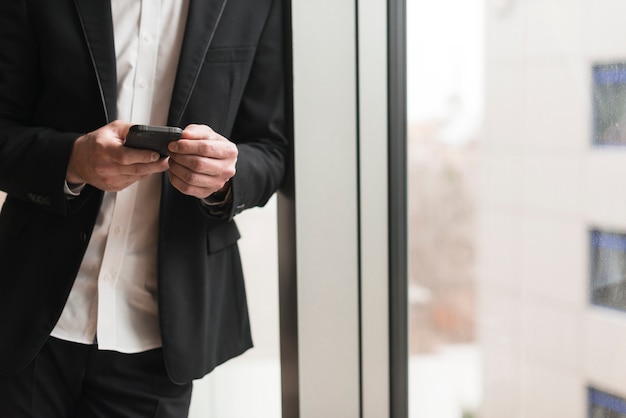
column 609, row 101
column 604, row 405
column 608, row 269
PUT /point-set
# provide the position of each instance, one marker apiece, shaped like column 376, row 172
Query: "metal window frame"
column 342, row 214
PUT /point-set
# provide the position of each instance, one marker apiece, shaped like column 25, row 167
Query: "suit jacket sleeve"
column 268, row 74
column 260, row 127
column 33, row 154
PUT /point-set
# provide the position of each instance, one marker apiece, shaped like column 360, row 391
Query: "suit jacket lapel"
column 95, row 17
column 202, row 20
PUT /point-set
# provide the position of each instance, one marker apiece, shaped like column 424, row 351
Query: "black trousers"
column 69, row 380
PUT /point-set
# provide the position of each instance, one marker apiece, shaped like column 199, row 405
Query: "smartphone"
column 152, row 137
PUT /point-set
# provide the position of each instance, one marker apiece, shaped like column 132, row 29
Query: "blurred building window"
column 609, row 101
column 608, row 269
column 604, row 405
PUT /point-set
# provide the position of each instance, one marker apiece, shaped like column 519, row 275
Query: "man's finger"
column 130, row 156
column 218, row 149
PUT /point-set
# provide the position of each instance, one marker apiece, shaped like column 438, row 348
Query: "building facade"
column 551, row 321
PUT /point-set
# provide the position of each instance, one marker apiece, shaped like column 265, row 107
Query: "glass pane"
column 609, row 104
column 444, row 115
column 608, row 269
column 517, row 216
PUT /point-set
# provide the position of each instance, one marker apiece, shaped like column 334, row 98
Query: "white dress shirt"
column 114, row 297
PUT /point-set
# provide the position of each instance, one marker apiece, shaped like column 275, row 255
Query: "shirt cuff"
column 73, row 190
column 218, row 201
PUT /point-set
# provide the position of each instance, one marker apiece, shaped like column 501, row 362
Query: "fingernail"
column 155, row 157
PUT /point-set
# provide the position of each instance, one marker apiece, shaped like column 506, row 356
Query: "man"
column 120, row 278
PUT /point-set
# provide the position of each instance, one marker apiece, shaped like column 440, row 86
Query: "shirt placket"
column 110, row 286
column 141, row 109
column 111, row 265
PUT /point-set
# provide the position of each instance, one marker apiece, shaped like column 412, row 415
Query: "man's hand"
column 201, row 162
column 99, row 158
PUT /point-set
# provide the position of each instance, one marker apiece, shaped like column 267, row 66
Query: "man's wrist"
column 220, row 197
column 72, row 175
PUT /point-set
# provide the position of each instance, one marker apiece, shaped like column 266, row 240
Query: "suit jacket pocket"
column 226, row 55
column 216, row 97
column 221, row 236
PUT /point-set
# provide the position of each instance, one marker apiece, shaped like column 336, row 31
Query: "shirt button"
column 147, row 37
column 118, row 230
column 108, row 277
column 142, row 84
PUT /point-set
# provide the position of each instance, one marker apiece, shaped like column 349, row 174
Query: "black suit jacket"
column 58, row 81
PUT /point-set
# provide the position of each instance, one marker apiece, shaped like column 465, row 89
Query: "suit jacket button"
column 83, row 236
